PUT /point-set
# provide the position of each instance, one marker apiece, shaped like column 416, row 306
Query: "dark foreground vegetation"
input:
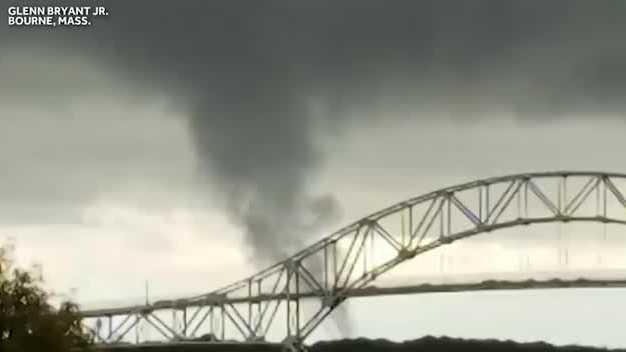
column 425, row 344
column 28, row 322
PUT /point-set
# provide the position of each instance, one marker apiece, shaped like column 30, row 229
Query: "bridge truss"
column 293, row 297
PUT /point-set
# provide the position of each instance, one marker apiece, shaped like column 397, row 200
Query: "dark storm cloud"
column 246, row 72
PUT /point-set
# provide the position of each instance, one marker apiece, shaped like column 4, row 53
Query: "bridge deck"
column 373, row 291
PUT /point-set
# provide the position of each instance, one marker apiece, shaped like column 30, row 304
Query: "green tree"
column 28, row 322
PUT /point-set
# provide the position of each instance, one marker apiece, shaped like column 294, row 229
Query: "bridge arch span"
column 343, row 264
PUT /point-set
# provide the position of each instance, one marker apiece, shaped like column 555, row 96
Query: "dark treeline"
column 446, row 344
column 425, row 344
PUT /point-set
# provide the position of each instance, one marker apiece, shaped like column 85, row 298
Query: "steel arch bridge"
column 344, row 264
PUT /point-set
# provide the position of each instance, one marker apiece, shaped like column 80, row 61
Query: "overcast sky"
column 170, row 141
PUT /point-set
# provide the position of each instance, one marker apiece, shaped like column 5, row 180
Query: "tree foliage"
column 28, row 322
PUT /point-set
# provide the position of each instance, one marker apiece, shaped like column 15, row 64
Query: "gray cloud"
column 90, row 144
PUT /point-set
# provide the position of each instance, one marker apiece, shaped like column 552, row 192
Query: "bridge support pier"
column 292, row 344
